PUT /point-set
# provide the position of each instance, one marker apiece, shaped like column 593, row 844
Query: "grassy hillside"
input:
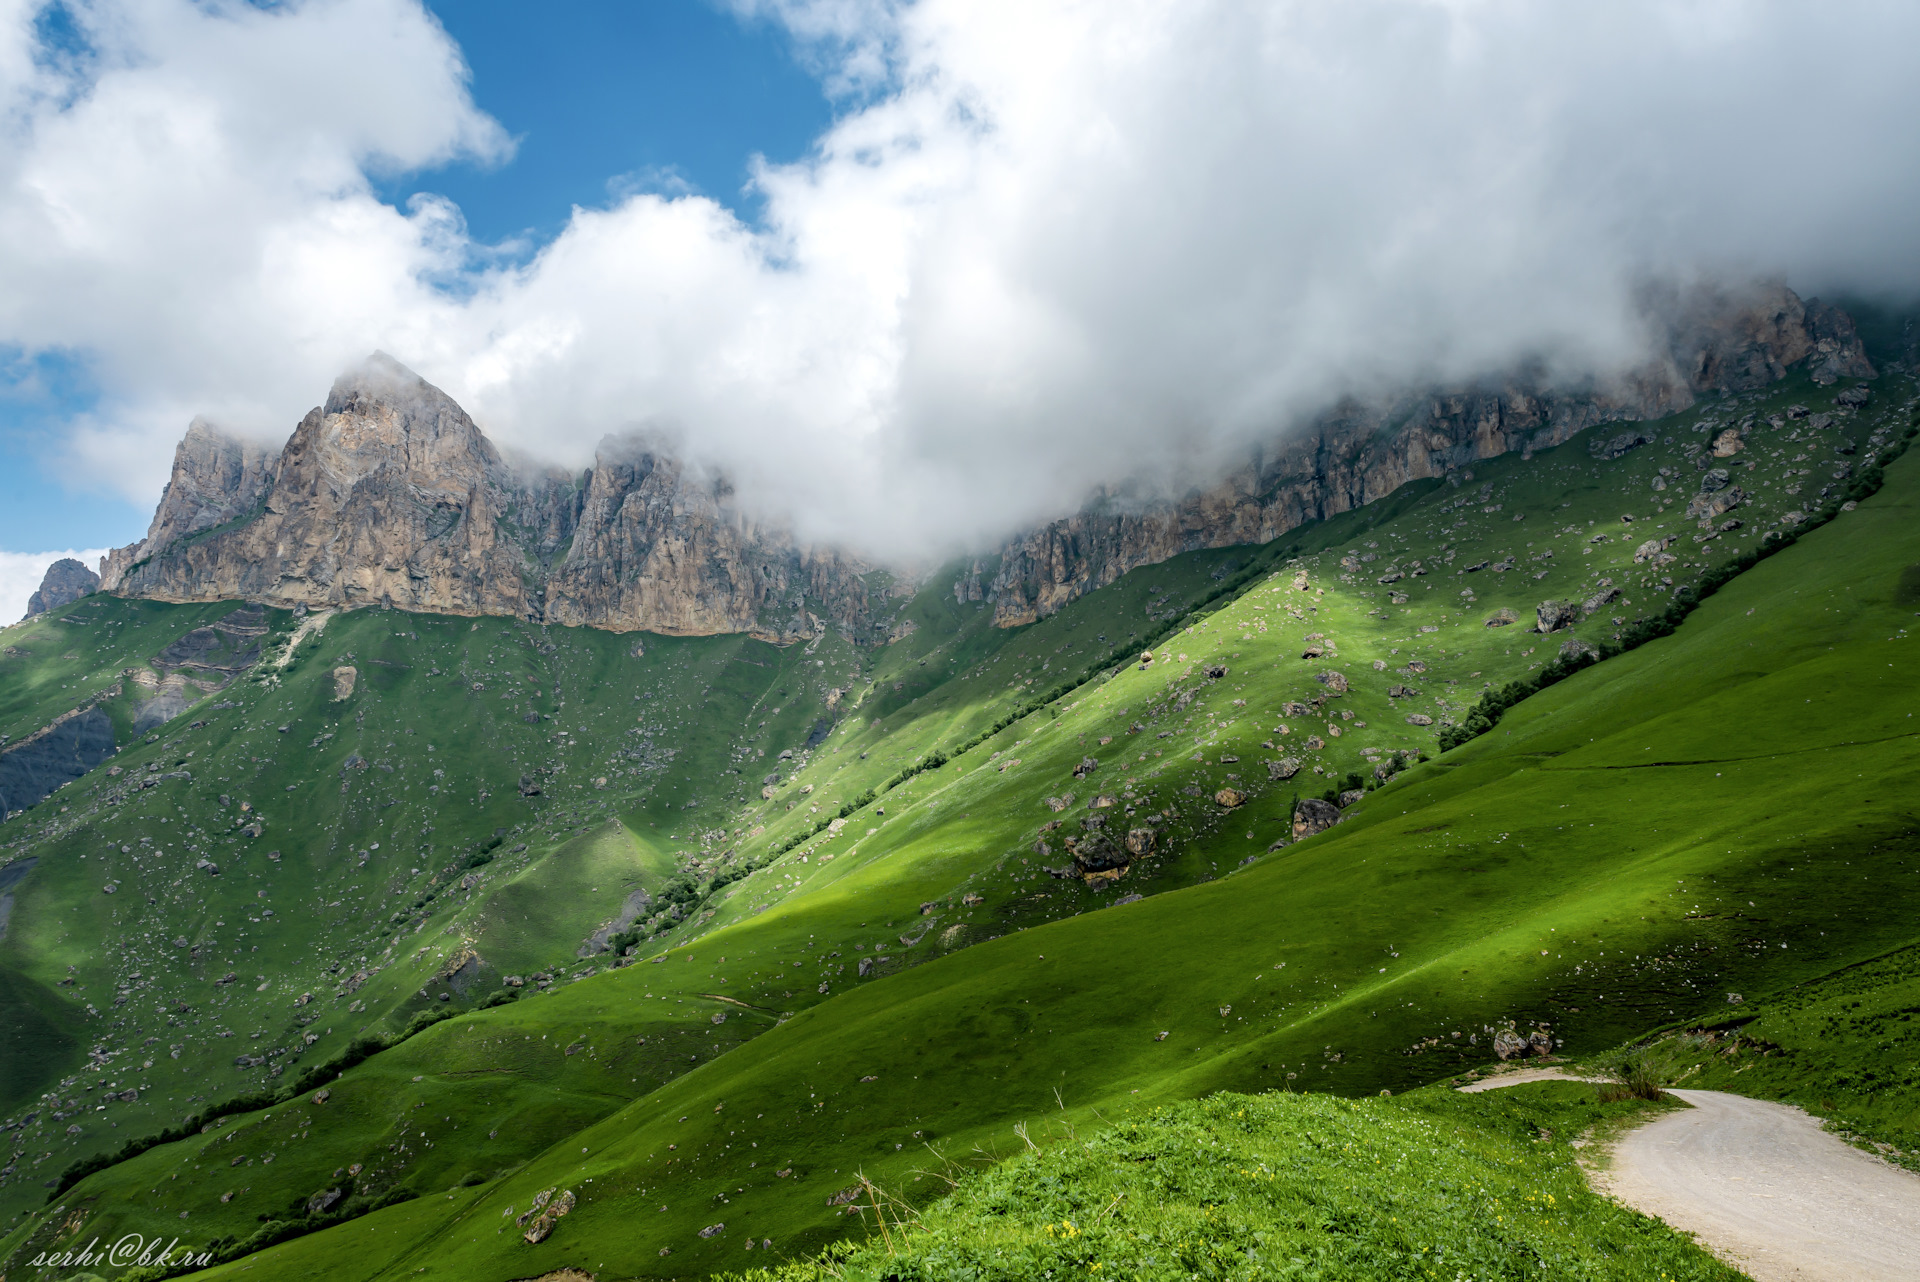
column 1428, row 1185
column 809, row 1002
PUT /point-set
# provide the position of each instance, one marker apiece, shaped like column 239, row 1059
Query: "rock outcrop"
column 389, row 494
column 65, row 582
column 1359, row 453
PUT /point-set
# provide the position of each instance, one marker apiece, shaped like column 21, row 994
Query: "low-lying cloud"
column 1046, row 246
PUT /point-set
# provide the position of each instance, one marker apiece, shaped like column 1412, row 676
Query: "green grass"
column 1428, row 1185
column 1583, row 866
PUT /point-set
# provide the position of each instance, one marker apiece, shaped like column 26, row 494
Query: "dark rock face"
column 65, row 750
column 66, row 581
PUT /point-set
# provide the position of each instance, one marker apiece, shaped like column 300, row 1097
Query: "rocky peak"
column 390, row 494
column 382, row 417
column 216, row 478
column 66, row 581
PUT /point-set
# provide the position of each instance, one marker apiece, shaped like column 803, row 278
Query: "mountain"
column 389, row 495
column 377, row 943
column 66, row 581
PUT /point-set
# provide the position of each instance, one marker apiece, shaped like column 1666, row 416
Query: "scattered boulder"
column 1614, row 447
column 1350, row 796
column 1507, row 1044
column 1314, row 650
column 1086, row 767
column 344, row 678
column 1230, row 798
column 1419, row 719
column 1140, row 841
column 1604, row 597
column 1401, row 692
column 1335, row 682
column 1057, row 804
column 1315, row 743
column 1095, row 853
column 1283, row 768
column 1502, row 617
column 321, row 1203
column 1574, row 648
column 545, row 1214
column 1216, row 671
column 1313, row 816
column 1651, row 548
column 1728, row 443
column 1855, row 397
column 1710, row 505
column 1551, row 616
column 1714, row 479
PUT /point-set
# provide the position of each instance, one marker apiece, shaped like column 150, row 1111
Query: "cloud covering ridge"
column 1044, row 248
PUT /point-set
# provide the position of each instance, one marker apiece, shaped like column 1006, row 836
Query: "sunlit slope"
column 1545, row 875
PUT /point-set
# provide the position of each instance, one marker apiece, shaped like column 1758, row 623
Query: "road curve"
column 1767, row 1190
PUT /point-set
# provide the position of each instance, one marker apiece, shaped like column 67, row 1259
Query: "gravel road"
column 1769, row 1191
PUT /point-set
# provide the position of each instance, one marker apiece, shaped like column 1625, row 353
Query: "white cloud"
column 21, row 572
column 1046, row 246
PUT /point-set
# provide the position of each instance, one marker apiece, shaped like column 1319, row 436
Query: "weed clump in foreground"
column 1432, row 1184
column 1639, row 1073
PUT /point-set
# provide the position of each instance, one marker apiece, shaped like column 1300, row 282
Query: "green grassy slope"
column 1428, row 1185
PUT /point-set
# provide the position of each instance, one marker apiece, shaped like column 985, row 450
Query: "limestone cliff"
column 1359, row 453
column 65, row 581
column 389, row 494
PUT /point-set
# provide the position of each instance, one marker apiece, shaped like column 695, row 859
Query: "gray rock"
column 1419, row 719
column 1855, row 397
column 1600, row 599
column 1502, row 617
column 1714, row 479
column 1551, row 616
column 1313, row 816
column 1613, row 447
column 65, row 582
column 1574, row 647
column 1284, row 768
column 1350, row 796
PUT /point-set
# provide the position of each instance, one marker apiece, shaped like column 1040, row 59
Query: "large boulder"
column 1313, row 816
column 1551, row 616
column 1095, row 853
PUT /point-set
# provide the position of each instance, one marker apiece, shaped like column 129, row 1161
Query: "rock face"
column 66, row 581
column 64, row 750
column 1357, row 454
column 389, row 494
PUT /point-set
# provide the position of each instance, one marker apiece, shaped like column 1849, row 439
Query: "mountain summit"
column 389, row 494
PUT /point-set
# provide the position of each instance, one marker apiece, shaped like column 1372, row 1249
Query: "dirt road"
column 1769, row 1191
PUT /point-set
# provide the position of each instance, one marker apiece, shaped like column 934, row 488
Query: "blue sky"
column 600, row 96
